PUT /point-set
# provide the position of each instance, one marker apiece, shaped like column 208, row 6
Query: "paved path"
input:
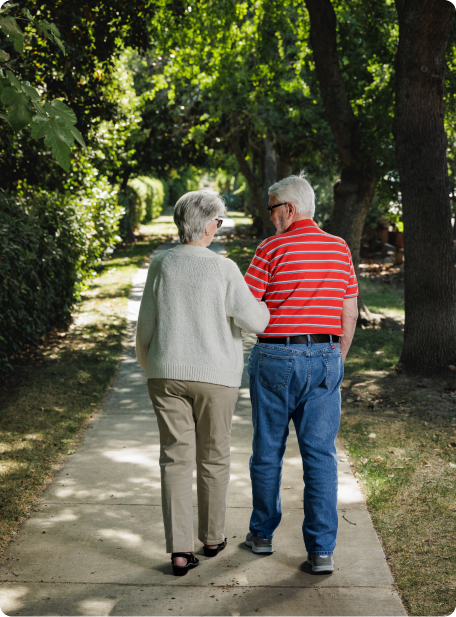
column 83, row 554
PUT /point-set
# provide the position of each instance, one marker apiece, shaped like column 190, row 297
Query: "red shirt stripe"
column 303, row 275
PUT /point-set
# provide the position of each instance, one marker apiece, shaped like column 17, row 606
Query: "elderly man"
column 307, row 280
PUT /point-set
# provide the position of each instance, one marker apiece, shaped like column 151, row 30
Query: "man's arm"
column 349, row 318
column 258, row 274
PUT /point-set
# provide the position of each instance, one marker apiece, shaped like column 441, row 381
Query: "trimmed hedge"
column 49, row 244
column 143, row 200
column 155, row 198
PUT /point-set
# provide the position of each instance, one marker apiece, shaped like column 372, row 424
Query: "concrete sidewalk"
column 83, row 554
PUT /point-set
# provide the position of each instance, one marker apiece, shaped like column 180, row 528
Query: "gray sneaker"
column 257, row 545
column 321, row 563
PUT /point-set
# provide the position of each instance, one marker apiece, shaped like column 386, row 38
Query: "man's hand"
column 349, row 318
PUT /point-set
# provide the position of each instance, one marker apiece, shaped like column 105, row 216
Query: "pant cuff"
column 210, row 542
column 181, row 550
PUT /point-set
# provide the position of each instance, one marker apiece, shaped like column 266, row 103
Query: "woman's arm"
column 147, row 321
column 248, row 314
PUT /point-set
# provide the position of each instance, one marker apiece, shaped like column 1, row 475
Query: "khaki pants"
column 194, row 418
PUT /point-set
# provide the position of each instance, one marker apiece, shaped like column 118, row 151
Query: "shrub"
column 49, row 244
column 143, row 200
column 181, row 182
column 155, row 199
column 129, row 200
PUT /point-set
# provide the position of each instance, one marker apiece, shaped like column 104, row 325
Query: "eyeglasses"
column 271, row 208
column 219, row 222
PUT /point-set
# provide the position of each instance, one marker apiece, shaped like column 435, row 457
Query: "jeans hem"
column 260, row 536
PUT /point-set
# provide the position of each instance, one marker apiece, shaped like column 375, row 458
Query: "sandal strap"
column 191, row 559
column 185, row 555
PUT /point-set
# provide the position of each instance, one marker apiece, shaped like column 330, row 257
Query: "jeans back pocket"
column 274, row 371
column 334, row 369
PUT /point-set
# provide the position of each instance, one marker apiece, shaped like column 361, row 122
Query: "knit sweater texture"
column 194, row 305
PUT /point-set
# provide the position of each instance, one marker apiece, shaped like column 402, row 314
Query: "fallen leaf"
column 391, row 475
column 452, row 367
column 452, row 465
column 364, row 460
column 372, row 435
column 349, row 400
column 379, row 458
column 427, row 464
column 287, row 487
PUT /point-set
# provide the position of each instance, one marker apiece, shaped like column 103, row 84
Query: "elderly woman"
column 189, row 343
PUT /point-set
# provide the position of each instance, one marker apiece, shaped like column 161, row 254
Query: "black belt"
column 300, row 339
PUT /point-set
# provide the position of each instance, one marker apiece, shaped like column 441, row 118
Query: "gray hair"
column 193, row 211
column 298, row 191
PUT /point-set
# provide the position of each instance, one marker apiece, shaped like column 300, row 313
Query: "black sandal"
column 192, row 562
column 212, row 552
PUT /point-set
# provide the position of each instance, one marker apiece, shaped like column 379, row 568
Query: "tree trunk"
column 269, row 165
column 430, row 279
column 353, row 194
column 256, row 189
column 354, row 191
column 283, row 169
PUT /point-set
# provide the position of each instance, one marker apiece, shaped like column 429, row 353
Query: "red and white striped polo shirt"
column 303, row 275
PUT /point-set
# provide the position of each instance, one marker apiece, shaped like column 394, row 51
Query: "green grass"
column 56, row 387
column 374, row 350
column 383, row 298
column 239, row 218
column 410, row 486
column 241, row 249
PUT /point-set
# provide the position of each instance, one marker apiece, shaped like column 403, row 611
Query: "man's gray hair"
column 193, row 211
column 298, row 191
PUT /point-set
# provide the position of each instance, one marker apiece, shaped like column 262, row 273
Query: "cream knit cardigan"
column 192, row 311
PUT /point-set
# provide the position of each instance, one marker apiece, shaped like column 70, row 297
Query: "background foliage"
column 48, row 246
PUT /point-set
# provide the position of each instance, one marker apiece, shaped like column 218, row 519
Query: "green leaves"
column 56, row 125
column 18, row 106
column 19, row 101
column 13, row 32
column 49, row 30
column 55, row 122
column 52, row 121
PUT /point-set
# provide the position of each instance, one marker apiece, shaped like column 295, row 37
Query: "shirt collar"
column 301, row 224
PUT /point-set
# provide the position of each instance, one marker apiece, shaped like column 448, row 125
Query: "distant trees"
column 244, row 79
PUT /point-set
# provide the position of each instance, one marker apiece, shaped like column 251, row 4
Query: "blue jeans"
column 299, row 382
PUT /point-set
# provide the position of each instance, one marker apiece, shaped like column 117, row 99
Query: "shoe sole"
column 321, row 568
column 259, row 549
column 183, row 570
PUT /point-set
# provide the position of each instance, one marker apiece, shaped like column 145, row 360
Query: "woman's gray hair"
column 298, row 191
column 193, row 211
